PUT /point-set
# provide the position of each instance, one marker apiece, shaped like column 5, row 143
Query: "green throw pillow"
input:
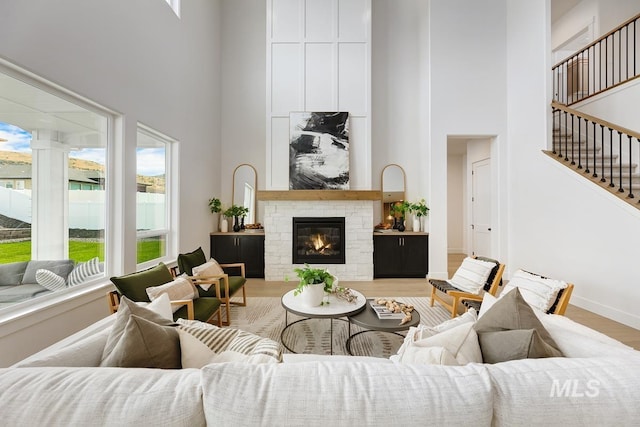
column 134, row 285
column 186, row 262
column 510, row 330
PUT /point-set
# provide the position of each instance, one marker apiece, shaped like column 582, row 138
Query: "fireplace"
column 318, row 240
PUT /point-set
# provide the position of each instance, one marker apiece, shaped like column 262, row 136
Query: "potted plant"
column 401, row 208
column 420, row 209
column 215, row 207
column 314, row 282
column 236, row 212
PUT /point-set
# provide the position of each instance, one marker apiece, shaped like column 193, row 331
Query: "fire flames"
column 320, row 243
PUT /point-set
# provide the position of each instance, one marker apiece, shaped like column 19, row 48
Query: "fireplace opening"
column 318, row 240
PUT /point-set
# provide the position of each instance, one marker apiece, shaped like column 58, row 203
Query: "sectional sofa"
column 596, row 383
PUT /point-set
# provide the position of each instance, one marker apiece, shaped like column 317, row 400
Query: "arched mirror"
column 245, row 184
column 393, row 186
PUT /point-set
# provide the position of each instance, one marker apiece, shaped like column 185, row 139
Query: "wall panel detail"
column 318, row 59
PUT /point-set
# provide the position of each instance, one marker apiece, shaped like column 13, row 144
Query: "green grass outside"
column 80, row 251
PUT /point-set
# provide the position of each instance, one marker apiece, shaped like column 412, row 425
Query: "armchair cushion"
column 472, row 275
column 187, row 261
column 203, row 309
column 540, row 292
column 178, row 289
column 235, row 283
column 134, row 286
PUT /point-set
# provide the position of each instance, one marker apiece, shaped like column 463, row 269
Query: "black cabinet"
column 400, row 255
column 227, row 248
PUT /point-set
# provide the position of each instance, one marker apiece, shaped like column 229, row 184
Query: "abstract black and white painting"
column 319, row 151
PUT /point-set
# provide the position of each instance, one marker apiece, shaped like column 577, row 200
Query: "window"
column 53, row 148
column 153, row 216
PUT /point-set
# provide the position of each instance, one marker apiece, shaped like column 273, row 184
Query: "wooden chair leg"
column 433, row 295
column 454, row 306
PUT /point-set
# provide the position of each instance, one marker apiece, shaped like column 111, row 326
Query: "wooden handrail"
column 562, row 107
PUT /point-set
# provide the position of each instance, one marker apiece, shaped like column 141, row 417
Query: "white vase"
column 224, row 225
column 416, row 223
column 312, row 295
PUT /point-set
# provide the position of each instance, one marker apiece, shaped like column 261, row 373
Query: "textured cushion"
column 178, row 289
column 134, row 285
column 86, row 352
column 61, row 267
column 538, row 291
column 125, row 310
column 101, row 397
column 11, row 274
column 230, row 345
column 145, row 344
column 50, row 280
column 566, row 392
column 83, row 271
column 513, row 313
column 472, row 275
column 458, row 346
column 187, row 261
column 337, row 393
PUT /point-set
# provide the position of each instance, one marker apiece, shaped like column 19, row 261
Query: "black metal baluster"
column 586, row 146
column 579, row 144
column 620, row 190
column 595, row 174
column 630, row 167
column 602, row 179
column 611, row 184
column 572, row 143
column 566, row 137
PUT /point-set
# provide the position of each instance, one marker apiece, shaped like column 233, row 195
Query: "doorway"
column 481, row 207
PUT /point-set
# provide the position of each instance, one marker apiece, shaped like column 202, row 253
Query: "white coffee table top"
column 336, row 308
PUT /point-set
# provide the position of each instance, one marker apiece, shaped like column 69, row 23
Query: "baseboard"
column 441, row 275
column 623, row 317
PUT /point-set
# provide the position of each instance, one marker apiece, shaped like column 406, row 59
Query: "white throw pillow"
column 83, row 271
column 487, row 302
column 161, row 305
column 209, row 268
column 472, row 275
column 179, row 289
column 50, row 280
column 461, row 342
column 538, row 292
column 194, row 353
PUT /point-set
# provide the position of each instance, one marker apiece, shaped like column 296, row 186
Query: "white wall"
column 456, row 166
column 140, row 60
column 468, row 97
column 561, row 225
column 243, row 95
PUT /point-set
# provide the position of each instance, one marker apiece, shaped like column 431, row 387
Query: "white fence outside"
column 87, row 208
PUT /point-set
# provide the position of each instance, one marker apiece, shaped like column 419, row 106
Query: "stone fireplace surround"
column 278, row 219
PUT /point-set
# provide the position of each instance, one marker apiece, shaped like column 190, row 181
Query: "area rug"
column 266, row 317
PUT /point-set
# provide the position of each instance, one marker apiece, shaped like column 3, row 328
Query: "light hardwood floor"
column 421, row 288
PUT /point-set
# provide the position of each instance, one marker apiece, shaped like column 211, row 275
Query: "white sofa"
column 598, row 383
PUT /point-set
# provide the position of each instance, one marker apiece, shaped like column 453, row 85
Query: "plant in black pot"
column 401, row 209
column 236, row 212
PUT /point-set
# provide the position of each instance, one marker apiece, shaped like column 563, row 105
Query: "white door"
column 481, row 208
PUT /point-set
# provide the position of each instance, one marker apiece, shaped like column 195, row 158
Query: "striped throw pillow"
column 83, row 271
column 50, row 280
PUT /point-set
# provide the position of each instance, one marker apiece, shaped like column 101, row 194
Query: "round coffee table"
column 368, row 319
column 335, row 309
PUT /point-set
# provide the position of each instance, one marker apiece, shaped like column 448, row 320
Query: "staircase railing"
column 606, row 152
column 606, row 63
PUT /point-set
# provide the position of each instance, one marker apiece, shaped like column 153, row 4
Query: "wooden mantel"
column 319, row 195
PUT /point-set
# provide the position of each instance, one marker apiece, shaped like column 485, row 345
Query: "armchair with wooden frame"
column 230, row 284
column 494, row 280
column 134, row 286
